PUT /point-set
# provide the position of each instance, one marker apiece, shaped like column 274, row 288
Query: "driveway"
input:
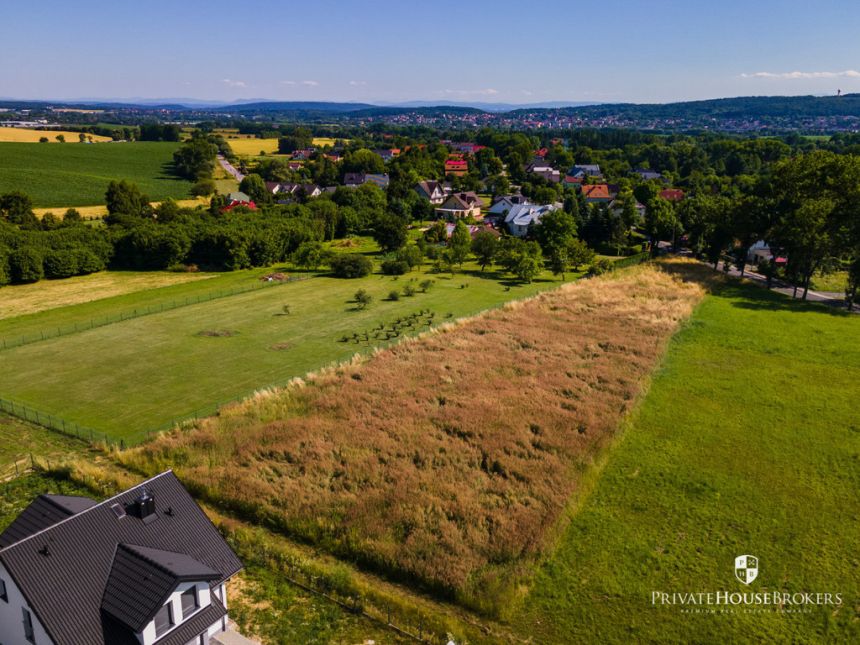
column 230, row 168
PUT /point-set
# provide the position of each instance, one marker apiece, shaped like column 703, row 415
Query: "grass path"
column 747, row 443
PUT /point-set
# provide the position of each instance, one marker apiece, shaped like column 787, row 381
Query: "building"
column 146, row 567
column 505, row 203
column 433, row 191
column 597, row 194
column 236, row 199
column 465, row 204
column 522, row 216
column 377, row 180
column 578, row 174
column 647, row 175
column 547, row 172
column 353, row 179
column 456, row 167
column 672, row 194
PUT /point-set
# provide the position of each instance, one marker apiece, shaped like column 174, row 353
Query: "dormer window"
column 164, row 620
column 190, row 603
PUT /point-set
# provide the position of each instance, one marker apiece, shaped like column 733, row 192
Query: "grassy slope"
column 78, row 175
column 748, row 442
column 19, row 440
column 129, row 377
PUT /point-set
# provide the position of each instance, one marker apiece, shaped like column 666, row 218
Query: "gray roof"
column 141, row 579
column 526, row 214
column 64, row 570
column 44, row 511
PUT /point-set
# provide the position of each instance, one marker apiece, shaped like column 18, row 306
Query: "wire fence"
column 56, row 332
column 69, row 428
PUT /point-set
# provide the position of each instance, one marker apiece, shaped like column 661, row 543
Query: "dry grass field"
column 448, row 460
column 22, row 299
column 252, row 147
column 99, row 211
column 26, row 135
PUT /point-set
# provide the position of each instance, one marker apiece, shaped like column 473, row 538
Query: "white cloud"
column 233, row 83
column 310, row 83
column 848, row 73
column 288, row 82
column 357, row 83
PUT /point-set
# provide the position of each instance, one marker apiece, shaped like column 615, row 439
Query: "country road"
column 230, row 168
column 831, row 298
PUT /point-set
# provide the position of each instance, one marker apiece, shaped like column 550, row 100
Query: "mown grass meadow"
column 748, row 442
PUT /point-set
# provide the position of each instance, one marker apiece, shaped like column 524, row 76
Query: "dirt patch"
column 275, row 277
column 280, row 347
column 217, row 333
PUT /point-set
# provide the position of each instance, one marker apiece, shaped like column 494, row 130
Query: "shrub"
column 394, row 294
column 599, row 267
column 26, row 265
column 350, row 265
column 362, row 298
column 425, row 285
column 394, row 267
column 408, row 291
column 203, row 188
column 62, row 263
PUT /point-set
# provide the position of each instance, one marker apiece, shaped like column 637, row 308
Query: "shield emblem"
column 746, row 568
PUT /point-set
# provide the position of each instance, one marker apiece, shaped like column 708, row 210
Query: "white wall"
column 203, row 598
column 12, row 618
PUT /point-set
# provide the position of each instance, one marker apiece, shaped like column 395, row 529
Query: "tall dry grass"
column 447, row 459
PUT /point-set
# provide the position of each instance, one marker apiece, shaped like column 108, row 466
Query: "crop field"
column 747, row 443
column 18, row 300
column 253, row 147
column 450, row 459
column 133, row 376
column 26, row 135
column 68, row 175
column 98, row 211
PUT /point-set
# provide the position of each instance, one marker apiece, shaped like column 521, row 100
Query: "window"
column 189, row 602
column 28, row 626
column 3, row 595
column 163, row 619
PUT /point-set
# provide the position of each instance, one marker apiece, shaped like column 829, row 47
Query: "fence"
column 69, row 428
column 9, row 343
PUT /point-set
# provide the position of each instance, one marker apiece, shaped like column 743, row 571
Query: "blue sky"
column 466, row 50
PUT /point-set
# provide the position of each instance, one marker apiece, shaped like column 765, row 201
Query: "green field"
column 130, row 377
column 78, row 175
column 748, row 442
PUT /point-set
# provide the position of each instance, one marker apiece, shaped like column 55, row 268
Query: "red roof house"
column 672, row 194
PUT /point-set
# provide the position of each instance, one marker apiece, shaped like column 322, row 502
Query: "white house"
column 505, row 203
column 522, row 216
column 145, row 567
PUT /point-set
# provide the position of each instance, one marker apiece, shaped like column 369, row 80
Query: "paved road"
column 832, row 298
column 230, row 168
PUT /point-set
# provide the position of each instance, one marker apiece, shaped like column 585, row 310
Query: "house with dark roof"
column 464, row 204
column 145, row 567
column 433, row 191
column 579, row 173
column 505, row 203
column 645, row 174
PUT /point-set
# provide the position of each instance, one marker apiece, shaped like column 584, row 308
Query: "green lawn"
column 126, row 378
column 78, row 175
column 747, row 443
column 19, row 440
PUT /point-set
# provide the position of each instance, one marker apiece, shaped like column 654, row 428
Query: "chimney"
column 144, row 506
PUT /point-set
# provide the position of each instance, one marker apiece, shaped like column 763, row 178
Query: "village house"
column 616, row 207
column 353, row 179
column 474, row 229
column 505, row 203
column 458, row 205
column 433, row 191
column 236, row 199
column 547, row 172
column 377, row 180
column 647, row 175
column 597, row 194
column 578, row 174
column 388, row 154
column 145, row 567
column 456, row 167
column 523, row 216
column 672, row 194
